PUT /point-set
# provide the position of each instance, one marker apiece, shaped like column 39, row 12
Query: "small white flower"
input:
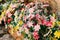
column 26, row 31
column 31, row 10
column 52, row 19
column 20, row 29
column 45, row 5
column 31, row 3
column 30, row 16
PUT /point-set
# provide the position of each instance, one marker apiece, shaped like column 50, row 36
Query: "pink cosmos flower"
column 31, row 16
column 25, row 25
column 8, row 13
column 37, row 16
column 29, row 24
column 35, row 35
column 28, row 5
column 25, row 17
column 37, row 27
column 13, row 5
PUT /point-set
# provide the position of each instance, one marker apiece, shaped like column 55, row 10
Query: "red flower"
column 44, row 22
column 49, row 24
column 35, row 35
column 9, row 20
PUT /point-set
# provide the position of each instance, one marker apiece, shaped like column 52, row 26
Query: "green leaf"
column 31, row 29
column 47, row 38
column 13, row 17
column 26, row 35
column 59, row 39
column 1, row 7
column 53, row 30
column 32, row 37
column 8, row 0
column 43, row 27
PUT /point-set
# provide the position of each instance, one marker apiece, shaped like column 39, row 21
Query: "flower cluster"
column 31, row 22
